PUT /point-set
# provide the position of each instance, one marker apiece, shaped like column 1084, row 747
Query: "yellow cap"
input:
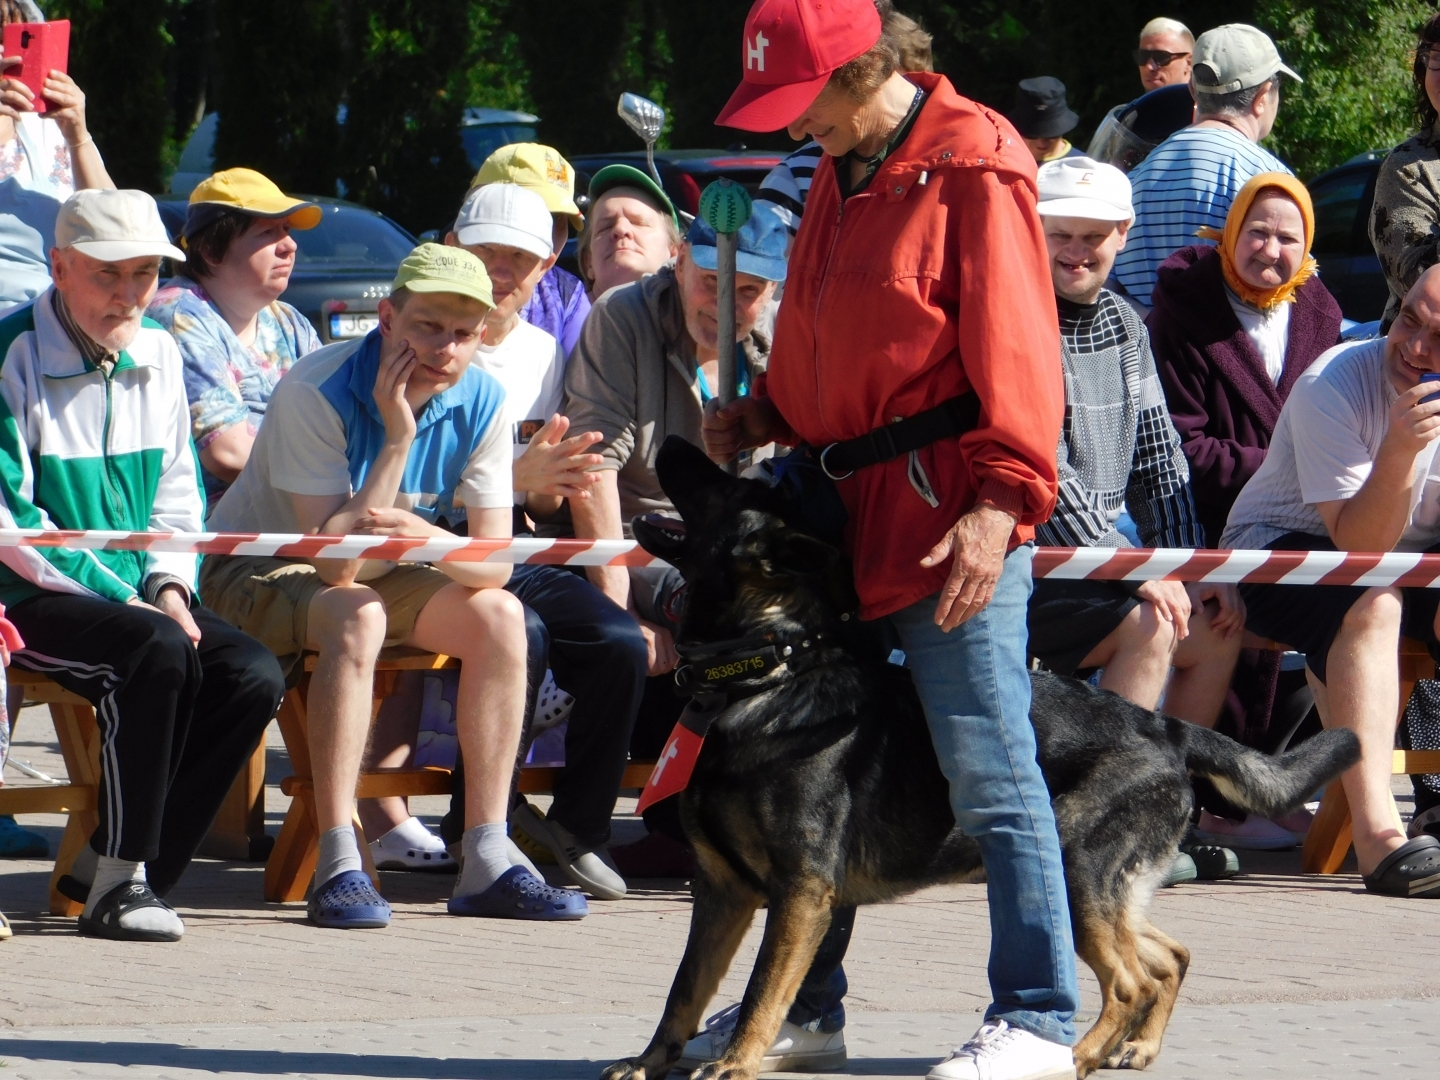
column 432, row 268
column 250, row 192
column 539, row 168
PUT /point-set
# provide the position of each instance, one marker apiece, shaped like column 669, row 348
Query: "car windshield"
column 349, row 238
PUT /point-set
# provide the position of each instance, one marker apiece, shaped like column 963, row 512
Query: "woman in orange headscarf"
column 1233, row 328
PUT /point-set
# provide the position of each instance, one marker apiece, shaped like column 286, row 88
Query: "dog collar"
column 725, row 666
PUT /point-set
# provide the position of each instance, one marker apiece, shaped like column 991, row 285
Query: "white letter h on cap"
column 755, row 55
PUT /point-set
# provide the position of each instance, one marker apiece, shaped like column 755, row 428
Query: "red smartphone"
column 43, row 48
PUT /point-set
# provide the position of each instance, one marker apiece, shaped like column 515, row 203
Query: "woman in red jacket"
column 919, row 282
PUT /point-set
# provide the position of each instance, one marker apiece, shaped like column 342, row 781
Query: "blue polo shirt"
column 323, row 431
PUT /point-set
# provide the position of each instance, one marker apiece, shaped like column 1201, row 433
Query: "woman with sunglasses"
column 1405, row 220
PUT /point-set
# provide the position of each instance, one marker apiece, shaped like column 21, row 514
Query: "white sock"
column 83, row 869
column 486, row 858
column 112, row 872
column 411, row 833
column 338, row 852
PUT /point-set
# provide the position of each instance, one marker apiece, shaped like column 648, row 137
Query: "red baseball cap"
column 789, row 51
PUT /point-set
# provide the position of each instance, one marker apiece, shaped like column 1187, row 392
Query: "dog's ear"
column 792, row 552
column 665, row 538
column 685, row 474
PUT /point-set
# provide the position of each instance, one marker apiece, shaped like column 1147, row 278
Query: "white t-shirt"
column 530, row 365
column 1324, row 445
column 1269, row 330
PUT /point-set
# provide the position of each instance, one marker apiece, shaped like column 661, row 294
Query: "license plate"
column 353, row 326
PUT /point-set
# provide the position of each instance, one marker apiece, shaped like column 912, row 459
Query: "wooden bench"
column 291, row 864
column 1329, row 839
column 239, row 828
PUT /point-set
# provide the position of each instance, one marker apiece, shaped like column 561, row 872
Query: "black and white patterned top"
column 1118, row 448
column 787, row 186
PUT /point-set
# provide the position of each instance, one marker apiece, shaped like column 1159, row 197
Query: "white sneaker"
column 1001, row 1052
column 795, row 1049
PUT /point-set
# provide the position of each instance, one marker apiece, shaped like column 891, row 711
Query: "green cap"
column 613, row 176
column 433, row 268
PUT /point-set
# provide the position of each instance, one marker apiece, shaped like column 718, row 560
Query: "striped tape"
column 1096, row 564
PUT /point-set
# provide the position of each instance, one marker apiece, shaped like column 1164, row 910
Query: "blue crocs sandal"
column 348, row 902
column 17, row 842
column 519, row 894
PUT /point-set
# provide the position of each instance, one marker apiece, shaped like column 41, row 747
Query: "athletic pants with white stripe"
column 176, row 720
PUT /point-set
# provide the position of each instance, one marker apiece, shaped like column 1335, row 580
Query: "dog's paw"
column 1130, row 1055
column 629, row 1069
column 719, row 1070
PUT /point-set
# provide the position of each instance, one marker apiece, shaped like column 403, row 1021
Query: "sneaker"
column 1001, row 1052
column 1181, row 871
column 1255, row 833
column 796, row 1049
column 1297, row 823
column 18, row 842
column 585, row 866
column 411, row 846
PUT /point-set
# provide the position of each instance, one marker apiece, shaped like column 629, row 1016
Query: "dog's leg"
column 721, row 914
column 1166, row 961
column 1106, row 945
column 794, row 926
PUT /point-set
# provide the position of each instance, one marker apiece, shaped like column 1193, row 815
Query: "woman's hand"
column 745, row 423
column 15, row 96
column 1172, row 603
column 67, row 107
column 555, row 465
column 390, row 383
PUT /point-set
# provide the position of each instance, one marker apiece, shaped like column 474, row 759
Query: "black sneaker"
column 1212, row 862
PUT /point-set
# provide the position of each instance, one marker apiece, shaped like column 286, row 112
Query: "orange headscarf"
column 1264, row 299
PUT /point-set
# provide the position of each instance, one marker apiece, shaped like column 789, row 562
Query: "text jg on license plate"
column 353, row 326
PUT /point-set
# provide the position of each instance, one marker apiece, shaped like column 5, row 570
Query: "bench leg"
column 292, row 862
column 1328, row 841
column 238, row 831
column 78, row 830
column 367, row 861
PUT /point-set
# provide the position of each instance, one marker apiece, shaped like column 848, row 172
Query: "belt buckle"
column 826, row 469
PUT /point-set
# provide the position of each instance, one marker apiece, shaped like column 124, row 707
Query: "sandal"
column 5, row 932
column 126, row 897
column 349, row 902
column 517, row 894
column 1412, row 869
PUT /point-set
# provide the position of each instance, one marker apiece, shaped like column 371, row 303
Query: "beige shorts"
column 270, row 598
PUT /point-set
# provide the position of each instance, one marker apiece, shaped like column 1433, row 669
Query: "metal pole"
column 725, row 206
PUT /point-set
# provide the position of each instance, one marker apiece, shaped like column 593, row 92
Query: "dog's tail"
column 1261, row 783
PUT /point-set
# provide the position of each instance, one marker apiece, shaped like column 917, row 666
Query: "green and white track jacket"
column 80, row 450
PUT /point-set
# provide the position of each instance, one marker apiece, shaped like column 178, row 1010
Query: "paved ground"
column 1291, row 977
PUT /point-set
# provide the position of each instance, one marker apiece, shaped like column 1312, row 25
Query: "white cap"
column 113, row 226
column 506, row 214
column 1234, row 57
column 1083, row 188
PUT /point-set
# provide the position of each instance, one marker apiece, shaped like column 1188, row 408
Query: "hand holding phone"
column 41, row 49
column 1429, row 377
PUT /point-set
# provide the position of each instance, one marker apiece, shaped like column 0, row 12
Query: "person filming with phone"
column 46, row 155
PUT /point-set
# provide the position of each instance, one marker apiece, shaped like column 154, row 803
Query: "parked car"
column 1348, row 266
column 343, row 267
column 482, row 131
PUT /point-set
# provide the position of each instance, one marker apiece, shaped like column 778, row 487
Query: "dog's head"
column 745, row 567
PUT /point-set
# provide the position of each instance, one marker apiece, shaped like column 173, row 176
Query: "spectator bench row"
column 239, row 829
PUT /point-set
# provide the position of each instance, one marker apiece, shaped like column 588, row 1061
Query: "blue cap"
column 760, row 253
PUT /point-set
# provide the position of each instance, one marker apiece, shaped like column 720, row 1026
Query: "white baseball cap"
column 506, row 214
column 1234, row 57
column 1084, row 188
column 113, row 226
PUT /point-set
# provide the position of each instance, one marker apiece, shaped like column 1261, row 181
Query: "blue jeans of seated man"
column 975, row 689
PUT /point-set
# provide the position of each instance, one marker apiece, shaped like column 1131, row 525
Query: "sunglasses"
column 1159, row 56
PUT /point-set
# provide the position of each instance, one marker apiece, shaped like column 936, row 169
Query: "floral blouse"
column 226, row 382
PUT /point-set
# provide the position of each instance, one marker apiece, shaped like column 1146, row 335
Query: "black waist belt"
column 953, row 417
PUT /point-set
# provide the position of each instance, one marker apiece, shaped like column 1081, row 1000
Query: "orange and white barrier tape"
column 1098, row 564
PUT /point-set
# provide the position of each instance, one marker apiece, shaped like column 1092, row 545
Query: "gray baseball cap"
column 1238, row 57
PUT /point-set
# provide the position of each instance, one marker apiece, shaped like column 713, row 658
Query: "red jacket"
column 932, row 281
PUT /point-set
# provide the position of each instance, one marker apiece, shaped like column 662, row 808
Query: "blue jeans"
column 976, row 693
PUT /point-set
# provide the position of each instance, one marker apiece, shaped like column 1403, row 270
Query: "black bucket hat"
column 1041, row 111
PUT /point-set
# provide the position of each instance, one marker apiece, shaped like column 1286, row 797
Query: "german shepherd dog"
column 818, row 786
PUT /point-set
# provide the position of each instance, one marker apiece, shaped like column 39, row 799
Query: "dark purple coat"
column 1220, row 397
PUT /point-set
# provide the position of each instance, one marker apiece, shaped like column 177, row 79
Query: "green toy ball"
column 725, row 206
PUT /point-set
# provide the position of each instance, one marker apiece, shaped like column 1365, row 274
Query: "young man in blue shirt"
column 385, row 435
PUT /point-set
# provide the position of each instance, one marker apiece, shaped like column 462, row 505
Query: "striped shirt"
column 1118, row 448
column 1188, row 181
column 1324, row 446
column 787, row 185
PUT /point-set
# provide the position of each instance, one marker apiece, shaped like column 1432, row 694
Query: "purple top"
column 558, row 306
